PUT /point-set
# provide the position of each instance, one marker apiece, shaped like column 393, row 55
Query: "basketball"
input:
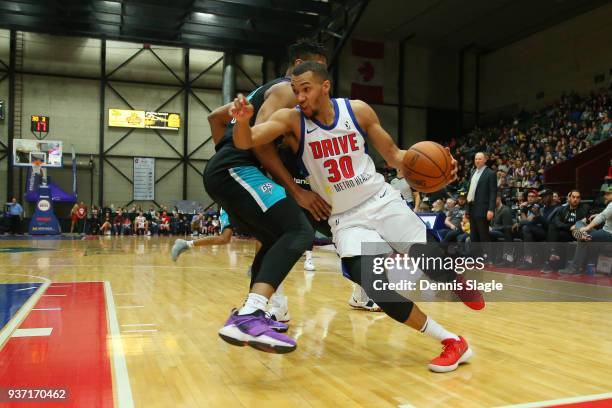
column 427, row 167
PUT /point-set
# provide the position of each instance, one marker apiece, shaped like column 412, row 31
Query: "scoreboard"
column 39, row 123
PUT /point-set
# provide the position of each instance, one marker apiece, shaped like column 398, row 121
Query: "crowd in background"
column 526, row 211
column 520, row 151
column 136, row 221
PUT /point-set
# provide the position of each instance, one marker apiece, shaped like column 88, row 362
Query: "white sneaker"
column 180, row 246
column 279, row 308
column 368, row 305
column 309, row 265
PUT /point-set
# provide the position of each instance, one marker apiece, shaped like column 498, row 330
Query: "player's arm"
column 278, row 97
column 218, row 121
column 281, row 96
column 246, row 137
column 381, row 140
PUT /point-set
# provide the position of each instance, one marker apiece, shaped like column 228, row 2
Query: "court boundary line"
column 24, row 310
column 121, row 379
column 568, row 400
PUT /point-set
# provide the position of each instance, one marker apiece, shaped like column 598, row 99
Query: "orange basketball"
column 427, row 167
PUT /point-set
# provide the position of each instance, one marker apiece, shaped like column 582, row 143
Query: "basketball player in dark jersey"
column 258, row 205
column 359, row 298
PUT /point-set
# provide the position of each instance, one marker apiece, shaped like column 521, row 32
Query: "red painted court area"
column 73, row 356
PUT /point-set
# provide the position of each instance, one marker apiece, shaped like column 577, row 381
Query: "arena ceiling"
column 454, row 24
column 257, row 26
column 265, row 27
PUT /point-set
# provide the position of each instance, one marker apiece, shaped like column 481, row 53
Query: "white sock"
column 433, row 329
column 280, row 290
column 253, row 303
column 190, row 244
column 308, row 255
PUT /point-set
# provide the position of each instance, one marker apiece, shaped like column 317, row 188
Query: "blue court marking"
column 12, row 298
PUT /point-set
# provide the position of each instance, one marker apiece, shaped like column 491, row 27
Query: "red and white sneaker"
column 472, row 298
column 455, row 352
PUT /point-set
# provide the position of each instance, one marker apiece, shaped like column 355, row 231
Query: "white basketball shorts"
column 383, row 222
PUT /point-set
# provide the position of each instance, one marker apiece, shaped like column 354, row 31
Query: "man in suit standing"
column 482, row 193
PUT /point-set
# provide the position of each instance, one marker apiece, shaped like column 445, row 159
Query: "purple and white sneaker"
column 255, row 330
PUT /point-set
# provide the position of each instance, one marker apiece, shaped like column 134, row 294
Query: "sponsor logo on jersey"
column 267, row 188
column 334, row 146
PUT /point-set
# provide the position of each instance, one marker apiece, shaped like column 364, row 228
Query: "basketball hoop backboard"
column 27, row 152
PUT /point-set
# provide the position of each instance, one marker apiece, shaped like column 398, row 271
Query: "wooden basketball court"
column 158, row 321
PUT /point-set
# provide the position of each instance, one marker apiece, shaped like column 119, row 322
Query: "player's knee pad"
column 391, row 302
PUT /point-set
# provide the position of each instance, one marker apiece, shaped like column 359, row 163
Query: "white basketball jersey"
column 337, row 161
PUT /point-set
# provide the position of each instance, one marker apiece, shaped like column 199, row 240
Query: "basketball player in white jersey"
column 330, row 137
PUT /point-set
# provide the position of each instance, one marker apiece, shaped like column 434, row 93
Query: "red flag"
column 367, row 61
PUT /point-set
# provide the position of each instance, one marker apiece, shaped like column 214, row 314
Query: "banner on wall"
column 144, row 179
column 368, row 70
column 143, row 120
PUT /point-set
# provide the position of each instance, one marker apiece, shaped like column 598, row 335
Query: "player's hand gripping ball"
column 429, row 166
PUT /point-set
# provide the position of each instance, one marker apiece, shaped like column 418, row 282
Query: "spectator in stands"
column 206, row 225
column 175, row 222
column 73, row 217
column 81, row 218
column 118, row 222
column 588, row 233
column 464, row 238
column 438, row 206
column 164, row 224
column 186, row 224
column 501, row 230
column 215, row 225
column 140, row 224
column 454, row 218
column 93, row 221
column 450, row 204
column 533, row 224
column 107, row 226
column 154, row 223
column 126, row 227
column 556, row 200
column 502, row 221
column 106, row 209
column 559, row 230
column 16, row 215
column 423, row 208
column 196, row 224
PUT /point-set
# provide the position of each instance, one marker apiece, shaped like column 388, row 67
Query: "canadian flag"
column 367, row 63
